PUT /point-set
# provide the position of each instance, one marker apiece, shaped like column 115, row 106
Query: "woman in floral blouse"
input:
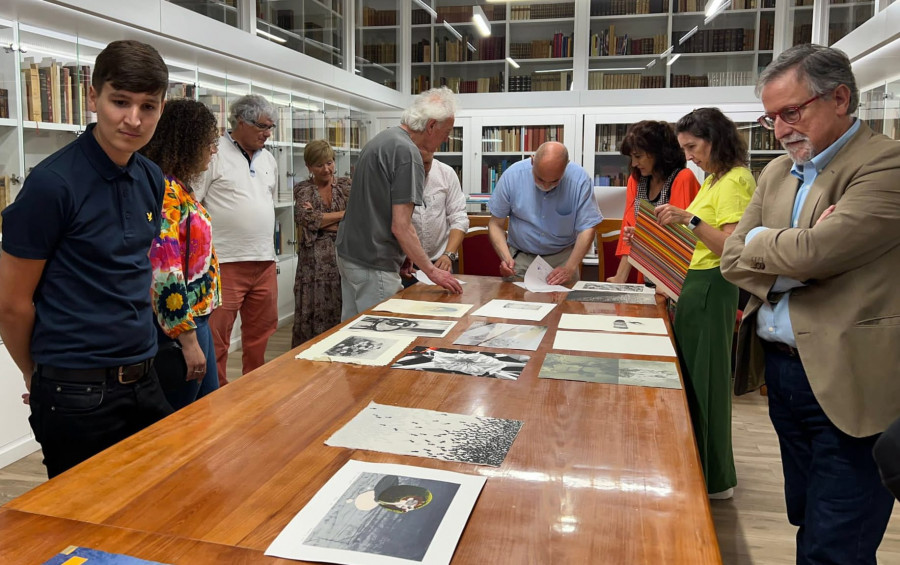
column 186, row 283
column 319, row 205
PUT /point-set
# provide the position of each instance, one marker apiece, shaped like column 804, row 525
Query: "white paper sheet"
column 362, row 348
column 423, row 278
column 605, row 323
column 615, row 343
column 536, row 277
column 613, row 287
column 404, row 306
column 515, row 310
column 356, row 517
column 394, row 325
column 503, row 336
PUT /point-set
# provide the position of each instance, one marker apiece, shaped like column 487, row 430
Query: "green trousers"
column 704, row 329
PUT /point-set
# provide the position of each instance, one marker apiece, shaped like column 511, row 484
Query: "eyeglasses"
column 788, row 114
column 263, row 127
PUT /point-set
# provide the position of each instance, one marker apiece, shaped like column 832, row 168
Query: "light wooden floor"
column 752, row 528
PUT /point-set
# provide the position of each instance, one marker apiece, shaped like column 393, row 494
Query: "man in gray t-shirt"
column 376, row 238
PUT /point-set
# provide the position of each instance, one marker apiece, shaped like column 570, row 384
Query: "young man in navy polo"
column 75, row 309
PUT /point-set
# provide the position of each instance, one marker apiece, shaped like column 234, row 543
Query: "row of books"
column 380, row 52
column 628, row 7
column 606, row 42
column 724, row 78
column 518, row 138
column 560, row 46
column 541, row 11
column 56, row 93
column 373, row 17
column 421, row 83
column 454, row 143
column 336, row 132
column 618, row 179
column 490, row 174
column 4, row 194
column 618, row 81
column 766, row 34
column 450, row 50
column 544, row 82
column 458, row 14
column 471, row 86
column 717, row 40
column 609, row 137
column 763, row 140
column 4, row 103
column 178, row 90
column 700, row 5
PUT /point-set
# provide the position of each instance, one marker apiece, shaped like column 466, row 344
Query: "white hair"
column 250, row 108
column 434, row 104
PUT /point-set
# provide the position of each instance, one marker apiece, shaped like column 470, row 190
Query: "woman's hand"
column 668, row 214
column 627, row 234
column 307, row 206
column 193, row 356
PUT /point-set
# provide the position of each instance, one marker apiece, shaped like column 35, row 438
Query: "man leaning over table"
column 818, row 248
column 550, row 205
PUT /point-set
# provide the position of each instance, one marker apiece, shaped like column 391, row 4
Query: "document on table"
column 607, row 323
column 615, row 343
column 536, row 277
column 423, row 278
column 515, row 310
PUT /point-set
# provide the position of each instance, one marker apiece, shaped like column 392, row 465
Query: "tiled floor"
column 752, row 527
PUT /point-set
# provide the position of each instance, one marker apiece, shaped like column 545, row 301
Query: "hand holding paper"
column 537, row 277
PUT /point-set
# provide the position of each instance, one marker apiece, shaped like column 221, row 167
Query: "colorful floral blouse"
column 178, row 298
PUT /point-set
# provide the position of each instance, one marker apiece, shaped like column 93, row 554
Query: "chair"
column 477, row 255
column 607, row 238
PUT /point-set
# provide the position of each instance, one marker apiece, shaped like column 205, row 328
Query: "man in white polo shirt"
column 238, row 190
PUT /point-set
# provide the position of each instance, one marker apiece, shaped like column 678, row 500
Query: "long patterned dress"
column 317, row 286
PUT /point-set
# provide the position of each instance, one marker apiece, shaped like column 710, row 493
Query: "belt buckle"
column 122, row 373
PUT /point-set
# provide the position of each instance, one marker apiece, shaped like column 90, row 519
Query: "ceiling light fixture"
column 427, row 8
column 673, row 59
column 512, row 62
column 688, row 35
column 271, row 36
column 452, row 30
column 481, row 21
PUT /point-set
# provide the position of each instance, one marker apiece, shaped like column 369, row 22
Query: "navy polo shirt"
column 93, row 222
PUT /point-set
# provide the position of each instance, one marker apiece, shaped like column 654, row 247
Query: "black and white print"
column 427, row 433
column 657, row 374
column 515, row 309
column 612, row 297
column 610, row 370
column 612, row 287
column 361, row 348
column 502, row 336
column 402, row 326
column 461, row 362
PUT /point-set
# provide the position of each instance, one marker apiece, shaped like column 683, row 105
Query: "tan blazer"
column 847, row 319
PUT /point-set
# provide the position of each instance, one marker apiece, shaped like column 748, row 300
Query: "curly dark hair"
column 727, row 148
column 658, row 140
column 185, row 129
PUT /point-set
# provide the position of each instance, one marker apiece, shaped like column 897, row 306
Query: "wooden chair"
column 477, row 255
column 607, row 238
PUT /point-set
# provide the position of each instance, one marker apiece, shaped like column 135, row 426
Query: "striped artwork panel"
column 662, row 253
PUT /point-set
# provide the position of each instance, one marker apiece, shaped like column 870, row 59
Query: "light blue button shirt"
column 773, row 323
column 544, row 223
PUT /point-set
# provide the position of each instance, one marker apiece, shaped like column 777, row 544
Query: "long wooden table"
column 598, row 474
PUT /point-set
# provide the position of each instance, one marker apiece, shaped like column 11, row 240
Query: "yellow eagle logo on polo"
column 149, row 216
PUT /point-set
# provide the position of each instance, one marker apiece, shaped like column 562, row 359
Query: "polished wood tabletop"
column 598, row 473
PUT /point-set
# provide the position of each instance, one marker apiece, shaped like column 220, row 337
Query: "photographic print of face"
column 461, row 362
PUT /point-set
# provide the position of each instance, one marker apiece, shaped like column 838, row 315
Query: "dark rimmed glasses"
column 788, row 114
column 263, row 127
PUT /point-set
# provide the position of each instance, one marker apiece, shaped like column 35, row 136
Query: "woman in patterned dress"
column 185, row 287
column 319, row 205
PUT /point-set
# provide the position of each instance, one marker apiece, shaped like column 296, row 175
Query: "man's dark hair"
column 185, row 129
column 132, row 66
column 658, row 140
column 727, row 148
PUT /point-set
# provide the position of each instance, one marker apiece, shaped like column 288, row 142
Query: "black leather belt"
column 124, row 374
column 782, row 348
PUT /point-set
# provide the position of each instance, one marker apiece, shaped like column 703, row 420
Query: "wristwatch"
column 695, row 221
column 451, row 255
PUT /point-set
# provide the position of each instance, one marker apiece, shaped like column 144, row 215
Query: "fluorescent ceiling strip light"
column 688, row 35
column 271, row 36
column 512, row 62
column 554, row 71
column 452, row 30
column 710, row 16
column 471, row 47
column 426, row 7
column 617, row 69
column 666, row 52
column 673, row 59
column 715, row 5
column 481, row 21
column 651, row 64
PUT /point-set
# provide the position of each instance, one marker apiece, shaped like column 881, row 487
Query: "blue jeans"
column 198, row 388
column 831, row 483
column 362, row 287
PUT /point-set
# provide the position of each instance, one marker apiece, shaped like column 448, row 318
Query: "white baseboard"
column 15, row 450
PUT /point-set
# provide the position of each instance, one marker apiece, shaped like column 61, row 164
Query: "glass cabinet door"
column 359, row 136
column 337, row 131
column 224, row 11
column 377, row 37
column 313, row 27
column 10, row 158
column 182, row 81
column 211, row 91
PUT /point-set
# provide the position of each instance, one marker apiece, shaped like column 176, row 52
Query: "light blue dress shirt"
column 544, row 223
column 773, row 323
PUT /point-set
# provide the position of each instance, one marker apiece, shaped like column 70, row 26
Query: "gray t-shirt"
column 389, row 171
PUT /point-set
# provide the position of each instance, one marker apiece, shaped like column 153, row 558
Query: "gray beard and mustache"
column 801, row 155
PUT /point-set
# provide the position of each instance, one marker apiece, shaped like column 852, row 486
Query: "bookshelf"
column 312, row 27
column 844, row 16
column 377, row 38
column 879, row 107
column 224, row 11
column 9, row 117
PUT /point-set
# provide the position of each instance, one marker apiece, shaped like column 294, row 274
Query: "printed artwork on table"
column 75, row 555
column 374, row 513
column 633, row 372
column 422, row 308
column 461, row 362
column 612, row 297
column 502, row 336
column 361, row 348
column 402, row 326
column 612, row 287
column 426, row 433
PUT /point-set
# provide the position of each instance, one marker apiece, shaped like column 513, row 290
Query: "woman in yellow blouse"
column 185, row 287
column 707, row 306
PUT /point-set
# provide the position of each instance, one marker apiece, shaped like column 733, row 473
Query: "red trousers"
column 248, row 287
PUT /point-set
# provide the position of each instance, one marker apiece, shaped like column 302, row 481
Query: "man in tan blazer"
column 818, row 248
